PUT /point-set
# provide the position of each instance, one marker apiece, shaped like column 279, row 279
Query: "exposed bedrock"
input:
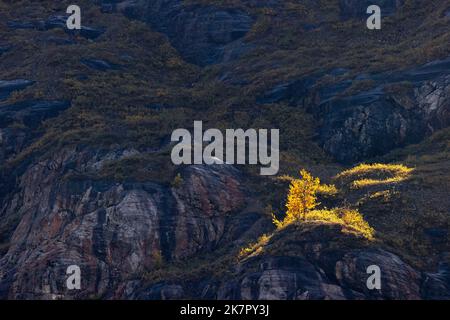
column 399, row 108
column 317, row 264
column 19, row 120
column 9, row 86
column 202, row 34
column 296, row 278
column 358, row 8
column 56, row 22
column 111, row 230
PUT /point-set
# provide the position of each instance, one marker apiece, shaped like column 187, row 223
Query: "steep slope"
column 85, row 124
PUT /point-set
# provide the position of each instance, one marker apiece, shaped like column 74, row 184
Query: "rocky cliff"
column 112, row 230
column 85, row 171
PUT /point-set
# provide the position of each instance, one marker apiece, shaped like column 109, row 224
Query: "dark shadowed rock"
column 56, row 22
column 282, row 278
column 202, row 34
column 17, row 24
column 372, row 122
column 399, row 281
column 295, row 92
column 4, row 49
column 60, row 23
column 316, row 263
column 100, row 65
column 321, row 270
column 59, row 41
column 437, row 235
column 90, row 32
column 108, row 7
column 376, row 121
column 163, row 291
column 436, row 286
column 8, row 86
column 31, row 112
column 17, row 122
column 358, row 8
column 206, row 32
column 367, row 125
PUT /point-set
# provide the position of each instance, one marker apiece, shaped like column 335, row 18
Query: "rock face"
column 316, row 269
column 31, row 112
column 56, row 22
column 9, row 86
column 282, row 278
column 296, row 278
column 398, row 109
column 202, row 34
column 111, row 230
column 58, row 210
column 17, row 122
column 436, row 286
column 321, row 271
column 100, row 65
column 358, row 8
column 4, row 49
column 354, row 129
column 374, row 122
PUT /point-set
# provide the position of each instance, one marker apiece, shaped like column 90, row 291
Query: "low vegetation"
column 365, row 175
column 156, row 92
column 302, row 208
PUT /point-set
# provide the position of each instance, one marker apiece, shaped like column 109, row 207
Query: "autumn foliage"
column 302, row 198
column 302, row 206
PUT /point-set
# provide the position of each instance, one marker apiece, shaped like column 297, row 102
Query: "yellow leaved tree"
column 302, row 198
column 302, row 206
